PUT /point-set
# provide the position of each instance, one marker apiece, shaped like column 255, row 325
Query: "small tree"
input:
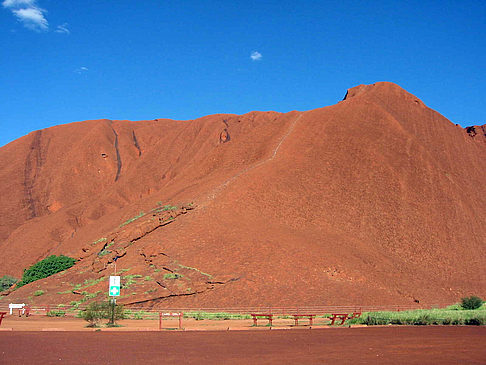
column 93, row 314
column 471, row 302
column 96, row 311
column 6, row 282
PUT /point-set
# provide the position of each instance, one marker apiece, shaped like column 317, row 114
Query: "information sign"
column 114, row 290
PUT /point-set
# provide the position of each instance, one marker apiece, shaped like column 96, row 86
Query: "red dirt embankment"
column 375, row 200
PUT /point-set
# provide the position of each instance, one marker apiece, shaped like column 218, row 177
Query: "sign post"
column 114, row 291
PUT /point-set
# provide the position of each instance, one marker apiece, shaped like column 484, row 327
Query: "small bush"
column 6, row 282
column 45, row 268
column 172, row 276
column 446, row 321
column 93, row 314
column 475, row 321
column 38, row 293
column 422, row 320
column 372, row 320
column 96, row 311
column 471, row 302
column 56, row 313
column 103, row 253
column 457, row 321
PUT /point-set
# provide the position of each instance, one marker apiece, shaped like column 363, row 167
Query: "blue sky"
column 66, row 61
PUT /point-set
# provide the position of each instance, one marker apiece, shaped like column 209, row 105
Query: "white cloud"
column 81, row 69
column 63, row 29
column 32, row 18
column 256, row 56
column 17, row 3
column 28, row 13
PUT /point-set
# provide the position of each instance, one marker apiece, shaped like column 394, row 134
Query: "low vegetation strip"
column 424, row 317
column 215, row 315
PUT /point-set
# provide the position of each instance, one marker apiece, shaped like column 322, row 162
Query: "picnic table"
column 263, row 316
column 343, row 317
column 299, row 316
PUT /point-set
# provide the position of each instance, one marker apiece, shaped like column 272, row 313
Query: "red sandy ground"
column 383, row 345
column 43, row 323
column 375, row 200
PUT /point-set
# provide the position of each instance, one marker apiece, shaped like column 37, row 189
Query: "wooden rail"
column 314, row 310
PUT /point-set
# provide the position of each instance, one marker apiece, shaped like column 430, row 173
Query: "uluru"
column 377, row 199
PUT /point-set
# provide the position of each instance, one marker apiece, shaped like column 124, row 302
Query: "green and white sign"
column 114, row 290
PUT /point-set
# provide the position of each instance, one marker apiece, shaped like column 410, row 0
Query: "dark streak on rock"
column 164, row 223
column 33, row 165
column 135, row 142
column 118, row 158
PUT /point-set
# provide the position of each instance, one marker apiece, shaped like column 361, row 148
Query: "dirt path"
column 378, row 345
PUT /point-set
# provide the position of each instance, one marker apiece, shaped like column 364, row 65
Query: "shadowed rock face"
column 375, row 200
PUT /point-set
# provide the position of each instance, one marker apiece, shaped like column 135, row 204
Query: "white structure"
column 12, row 306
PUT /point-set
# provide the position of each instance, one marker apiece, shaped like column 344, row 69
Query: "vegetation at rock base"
column 471, row 302
column 421, row 317
column 172, row 276
column 45, row 268
column 97, row 311
column 215, row 315
column 6, row 282
column 56, row 313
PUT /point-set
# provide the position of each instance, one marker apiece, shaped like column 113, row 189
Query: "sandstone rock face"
column 375, row 200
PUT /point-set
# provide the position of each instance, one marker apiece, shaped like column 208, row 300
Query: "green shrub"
column 457, row 321
column 172, row 276
column 45, row 268
column 446, row 321
column 56, row 313
column 38, row 293
column 6, row 282
column 475, row 321
column 96, row 311
column 103, row 253
column 471, row 302
column 140, row 215
column 374, row 320
column 93, row 314
column 422, row 320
